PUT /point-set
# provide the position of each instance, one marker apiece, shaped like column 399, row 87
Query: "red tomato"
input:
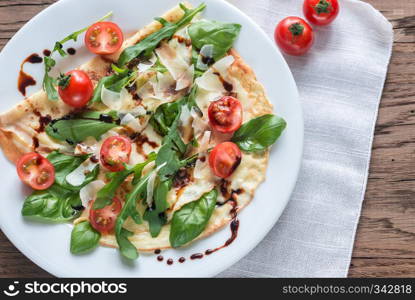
column 225, row 114
column 104, row 38
column 104, row 219
column 115, row 151
column 321, row 12
column 36, row 171
column 224, row 159
column 294, row 36
column 76, row 88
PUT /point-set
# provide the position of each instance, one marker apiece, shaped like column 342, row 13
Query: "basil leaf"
column 145, row 47
column 259, row 133
column 77, row 130
column 84, row 238
column 220, row 35
column 45, row 206
column 155, row 220
column 190, row 221
column 107, row 193
column 65, row 164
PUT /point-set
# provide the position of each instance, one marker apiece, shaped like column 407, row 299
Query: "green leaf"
column 190, row 221
column 84, row 238
column 160, row 196
column 44, row 206
column 77, row 130
column 129, row 209
column 65, row 164
column 259, row 133
column 127, row 249
column 114, row 82
column 155, row 220
column 221, row 35
column 49, row 82
column 145, row 47
column 107, row 193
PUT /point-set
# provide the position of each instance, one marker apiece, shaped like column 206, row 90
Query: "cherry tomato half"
column 224, row 159
column 75, row 88
column 36, row 171
column 225, row 114
column 104, row 38
column 321, row 12
column 115, row 151
column 294, row 36
column 104, row 219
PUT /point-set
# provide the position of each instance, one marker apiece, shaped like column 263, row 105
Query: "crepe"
column 20, row 132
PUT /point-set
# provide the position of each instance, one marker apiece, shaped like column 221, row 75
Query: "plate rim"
column 42, row 263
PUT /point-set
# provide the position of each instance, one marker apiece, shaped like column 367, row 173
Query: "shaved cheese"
column 223, row 64
column 146, row 65
column 138, row 111
column 89, row 192
column 147, row 90
column 185, row 116
column 206, row 53
column 201, row 166
column 131, row 122
column 199, row 124
column 110, row 98
column 77, row 176
column 150, row 184
column 121, row 101
column 210, row 80
column 185, row 79
column 171, row 60
column 204, row 142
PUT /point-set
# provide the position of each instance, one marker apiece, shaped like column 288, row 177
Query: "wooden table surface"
column 385, row 240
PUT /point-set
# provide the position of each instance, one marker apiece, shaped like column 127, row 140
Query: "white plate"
column 48, row 244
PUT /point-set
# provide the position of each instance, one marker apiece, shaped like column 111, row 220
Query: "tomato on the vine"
column 294, row 36
column 321, row 12
column 75, row 88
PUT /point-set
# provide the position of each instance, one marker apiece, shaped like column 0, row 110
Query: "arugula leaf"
column 44, row 206
column 155, row 220
column 190, row 221
column 128, row 250
column 145, row 47
column 220, row 35
column 259, row 133
column 155, row 216
column 106, row 194
column 84, row 238
column 114, row 82
column 48, row 81
column 75, row 130
column 65, row 164
column 129, row 209
column 160, row 196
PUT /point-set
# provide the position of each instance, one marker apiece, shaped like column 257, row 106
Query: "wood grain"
column 385, row 240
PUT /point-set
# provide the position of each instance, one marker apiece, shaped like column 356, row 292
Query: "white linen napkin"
column 340, row 83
